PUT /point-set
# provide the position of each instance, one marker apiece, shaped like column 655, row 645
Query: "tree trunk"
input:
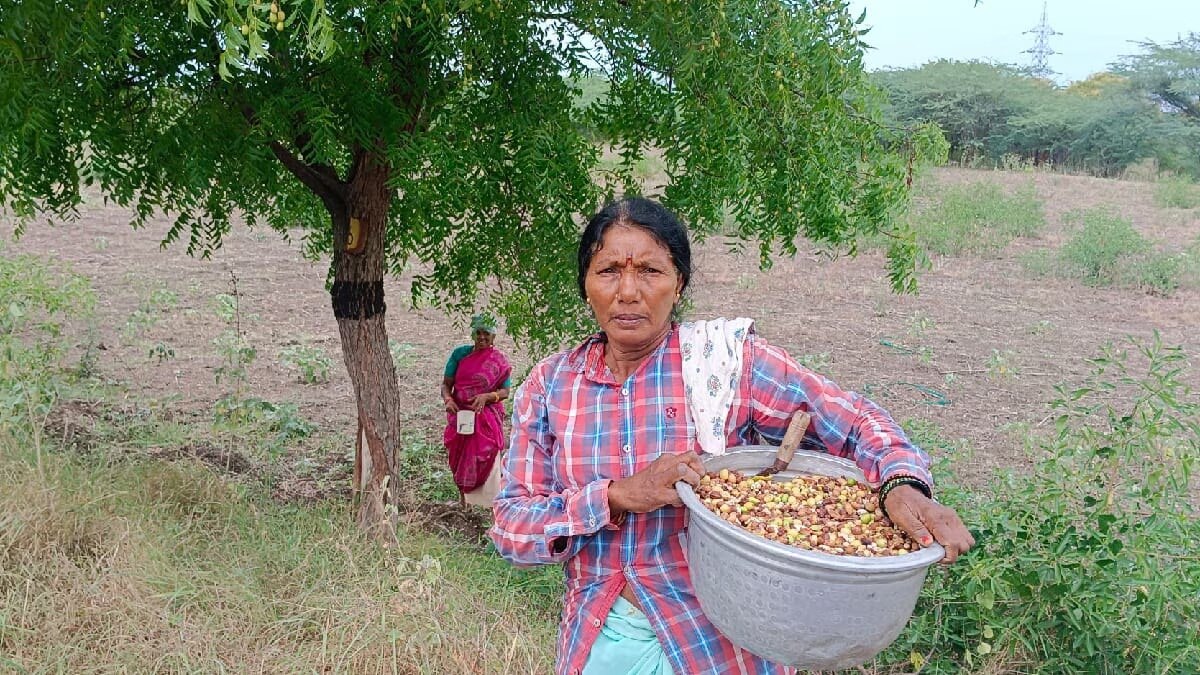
column 358, row 306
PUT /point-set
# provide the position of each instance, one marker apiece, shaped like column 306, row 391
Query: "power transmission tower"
column 1041, row 49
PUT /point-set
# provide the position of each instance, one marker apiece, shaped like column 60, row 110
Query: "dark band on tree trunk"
column 357, row 299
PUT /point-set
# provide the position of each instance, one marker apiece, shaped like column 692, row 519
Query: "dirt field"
column 837, row 315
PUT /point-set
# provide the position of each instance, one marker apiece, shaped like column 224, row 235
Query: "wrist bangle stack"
column 895, row 482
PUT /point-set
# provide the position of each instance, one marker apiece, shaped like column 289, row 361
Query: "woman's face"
column 632, row 285
column 483, row 339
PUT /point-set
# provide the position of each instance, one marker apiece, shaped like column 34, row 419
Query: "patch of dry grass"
column 152, row 566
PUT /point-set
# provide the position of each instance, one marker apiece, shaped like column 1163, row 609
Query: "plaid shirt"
column 575, row 429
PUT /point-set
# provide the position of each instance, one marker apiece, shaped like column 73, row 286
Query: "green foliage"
column 148, row 312
column 1177, row 192
column 235, row 351
column 1189, row 264
column 281, row 423
column 592, row 89
column 205, row 110
column 1086, row 563
column 1103, row 252
column 425, row 466
column 310, row 363
column 971, row 219
column 1156, row 273
column 227, row 307
column 162, row 352
column 1098, row 250
column 919, row 324
column 403, row 356
column 1169, row 73
column 35, row 304
column 1002, row 364
column 236, row 354
column 996, row 115
column 971, row 102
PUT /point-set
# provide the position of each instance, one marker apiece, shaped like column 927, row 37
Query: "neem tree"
column 445, row 132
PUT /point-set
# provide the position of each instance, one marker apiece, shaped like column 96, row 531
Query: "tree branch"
column 321, row 179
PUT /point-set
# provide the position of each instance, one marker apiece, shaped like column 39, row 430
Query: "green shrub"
column 310, row 363
column 403, row 355
column 1042, row 262
column 1097, row 250
column 1002, row 365
column 1107, row 251
column 276, row 425
column 1087, row 562
column 1189, row 264
column 1177, row 193
column 425, row 465
column 1157, row 274
column 36, row 305
column 148, row 313
column 971, row 219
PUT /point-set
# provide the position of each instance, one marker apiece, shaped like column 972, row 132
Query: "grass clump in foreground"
column 111, row 561
column 156, row 566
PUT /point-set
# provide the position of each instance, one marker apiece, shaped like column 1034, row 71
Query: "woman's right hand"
column 451, row 406
column 654, row 486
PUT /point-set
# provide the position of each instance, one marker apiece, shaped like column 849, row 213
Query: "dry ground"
column 835, row 314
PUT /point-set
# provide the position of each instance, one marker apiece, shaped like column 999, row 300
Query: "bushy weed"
column 311, row 364
column 1087, row 562
column 976, row 218
column 424, row 465
column 36, row 305
column 1177, row 192
column 1106, row 250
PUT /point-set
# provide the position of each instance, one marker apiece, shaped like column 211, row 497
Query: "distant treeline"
column 1143, row 112
column 1145, row 109
column 996, row 115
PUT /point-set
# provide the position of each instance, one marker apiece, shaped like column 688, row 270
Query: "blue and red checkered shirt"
column 576, row 429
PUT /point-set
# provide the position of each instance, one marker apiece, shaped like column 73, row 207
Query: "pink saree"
column 471, row 456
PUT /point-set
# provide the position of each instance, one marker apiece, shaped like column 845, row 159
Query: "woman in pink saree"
column 477, row 378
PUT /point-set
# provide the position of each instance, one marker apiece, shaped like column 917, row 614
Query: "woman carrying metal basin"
column 603, row 431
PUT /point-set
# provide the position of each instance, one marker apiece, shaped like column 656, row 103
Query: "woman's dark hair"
column 642, row 213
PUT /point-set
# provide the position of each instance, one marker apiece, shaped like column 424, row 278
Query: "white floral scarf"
column 712, row 365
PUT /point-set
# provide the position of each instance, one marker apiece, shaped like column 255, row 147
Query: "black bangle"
column 895, row 482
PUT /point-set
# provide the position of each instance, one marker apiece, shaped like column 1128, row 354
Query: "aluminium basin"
column 800, row 608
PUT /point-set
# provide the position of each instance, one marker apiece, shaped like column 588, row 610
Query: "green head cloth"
column 481, row 322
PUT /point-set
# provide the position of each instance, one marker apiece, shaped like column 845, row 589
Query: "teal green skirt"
column 627, row 645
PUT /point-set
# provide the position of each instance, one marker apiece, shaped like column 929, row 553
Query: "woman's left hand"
column 480, row 401
column 926, row 521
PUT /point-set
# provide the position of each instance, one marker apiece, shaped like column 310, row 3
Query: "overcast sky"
column 1094, row 32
